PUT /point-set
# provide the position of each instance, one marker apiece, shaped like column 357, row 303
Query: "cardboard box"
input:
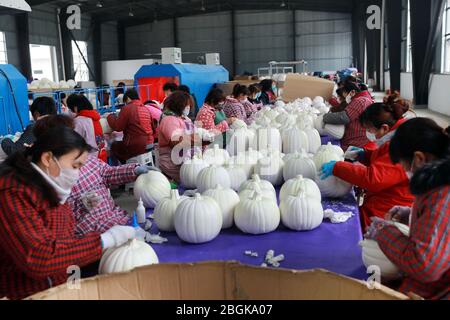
column 219, row 281
column 300, row 86
column 227, row 87
column 245, row 78
column 128, row 82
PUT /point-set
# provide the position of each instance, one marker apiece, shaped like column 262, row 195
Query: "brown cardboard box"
column 219, row 281
column 227, row 87
column 300, row 86
column 128, row 82
column 246, row 78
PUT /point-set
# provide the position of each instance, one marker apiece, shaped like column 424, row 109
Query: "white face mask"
column 410, row 173
column 186, row 111
column 66, row 180
column 371, row 136
column 348, row 99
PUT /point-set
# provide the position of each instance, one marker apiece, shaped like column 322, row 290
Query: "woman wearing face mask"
column 355, row 134
column 383, row 184
column 176, row 134
column 135, row 120
column 268, row 89
column 37, row 238
column 423, row 149
column 237, row 105
column 255, row 95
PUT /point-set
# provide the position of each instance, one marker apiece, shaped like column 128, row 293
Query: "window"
column 3, row 55
column 446, row 40
column 43, row 62
column 79, row 65
column 408, row 39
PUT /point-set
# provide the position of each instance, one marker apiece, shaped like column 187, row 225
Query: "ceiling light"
column 203, row 8
column 283, row 4
column 99, row 4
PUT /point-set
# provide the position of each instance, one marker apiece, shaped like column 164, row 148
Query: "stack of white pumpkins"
column 47, row 84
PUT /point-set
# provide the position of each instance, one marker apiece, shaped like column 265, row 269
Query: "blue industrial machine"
column 199, row 78
column 14, row 109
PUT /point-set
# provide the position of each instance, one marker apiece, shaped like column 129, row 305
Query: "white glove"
column 91, row 200
column 399, row 214
column 205, row 134
column 154, row 238
column 117, row 236
column 354, row 153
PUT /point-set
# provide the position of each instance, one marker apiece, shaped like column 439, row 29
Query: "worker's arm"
column 337, row 118
column 425, row 254
column 116, row 176
column 27, row 138
column 120, row 122
column 32, row 246
column 205, row 120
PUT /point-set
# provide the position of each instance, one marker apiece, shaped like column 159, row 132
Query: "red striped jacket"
column 37, row 242
column 424, row 256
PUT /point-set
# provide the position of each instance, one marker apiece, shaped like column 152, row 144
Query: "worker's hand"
column 377, row 225
column 117, row 236
column 399, row 214
column 231, row 120
column 91, row 200
column 143, row 169
column 354, row 153
column 327, row 170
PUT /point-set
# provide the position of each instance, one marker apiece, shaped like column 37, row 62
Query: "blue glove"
column 327, row 170
column 143, row 169
column 354, row 153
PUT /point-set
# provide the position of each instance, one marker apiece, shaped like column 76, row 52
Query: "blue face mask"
column 258, row 95
column 274, row 88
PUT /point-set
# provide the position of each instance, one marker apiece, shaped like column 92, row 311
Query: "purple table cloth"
column 333, row 247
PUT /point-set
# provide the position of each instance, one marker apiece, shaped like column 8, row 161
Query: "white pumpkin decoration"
column 211, row 176
column 190, row 170
column 372, row 255
column 240, row 141
column 165, row 210
column 216, row 156
column 227, row 199
column 319, row 125
column 133, row 254
column 279, row 104
column 332, row 148
column 299, row 164
column 325, row 156
column 270, row 168
column 151, row 187
column 272, row 114
column 314, row 140
column 333, row 187
column 298, row 212
column 263, row 184
column 238, row 124
column 257, row 215
column 294, row 140
column 294, row 186
column 332, row 130
column 198, row 219
column 237, row 176
column 318, row 99
column 252, row 187
column 266, row 138
column 71, row 83
column 105, row 126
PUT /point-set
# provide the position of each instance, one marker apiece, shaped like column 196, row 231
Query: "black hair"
column 43, row 105
column 59, row 140
column 150, row 102
column 43, row 125
column 131, row 94
column 254, row 88
column 350, row 86
column 340, row 92
column 266, row 85
column 240, row 89
column 184, row 88
column 121, row 84
column 177, row 101
column 170, row 86
column 379, row 114
column 79, row 101
column 419, row 134
column 214, row 97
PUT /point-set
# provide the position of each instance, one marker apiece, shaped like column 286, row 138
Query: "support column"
column 97, row 42
column 393, row 14
column 23, row 42
column 121, row 40
column 66, row 44
column 233, row 44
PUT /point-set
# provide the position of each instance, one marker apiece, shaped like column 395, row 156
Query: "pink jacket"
column 244, row 111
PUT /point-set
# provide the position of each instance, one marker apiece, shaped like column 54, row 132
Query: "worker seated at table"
column 169, row 88
column 135, row 120
column 423, row 149
column 156, row 112
column 268, row 89
column 40, row 108
column 93, row 207
column 37, row 227
column 255, row 95
column 87, row 123
column 355, row 134
column 176, row 134
column 383, row 183
column 194, row 108
column 237, row 105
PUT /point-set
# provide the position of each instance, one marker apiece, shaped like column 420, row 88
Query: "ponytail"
column 397, row 105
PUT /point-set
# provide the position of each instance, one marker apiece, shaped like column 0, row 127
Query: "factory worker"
column 169, row 88
column 38, row 241
column 176, row 134
column 135, row 120
column 237, row 105
column 119, row 92
column 355, row 134
column 255, row 95
column 155, row 112
column 87, row 123
column 194, row 108
column 383, row 184
column 41, row 107
column 268, row 91
column 90, row 199
column 423, row 149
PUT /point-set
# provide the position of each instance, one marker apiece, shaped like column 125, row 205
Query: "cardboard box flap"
column 300, row 86
column 219, row 281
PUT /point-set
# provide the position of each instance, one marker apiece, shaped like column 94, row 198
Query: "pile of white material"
column 47, row 84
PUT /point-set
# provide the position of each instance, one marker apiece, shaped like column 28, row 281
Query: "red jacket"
column 98, row 131
column 386, row 184
column 135, row 121
column 37, row 242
